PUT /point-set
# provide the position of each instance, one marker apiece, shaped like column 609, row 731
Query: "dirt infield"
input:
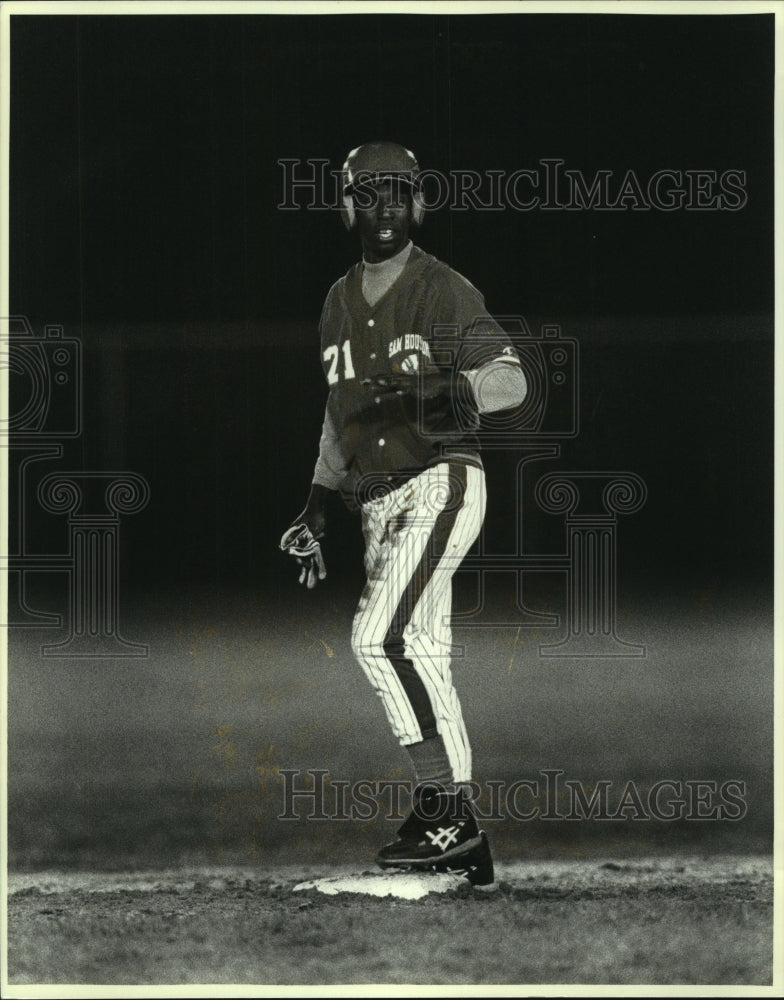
column 667, row 920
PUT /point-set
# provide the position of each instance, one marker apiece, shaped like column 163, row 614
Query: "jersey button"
column 371, row 322
column 378, row 399
column 373, row 356
column 382, row 442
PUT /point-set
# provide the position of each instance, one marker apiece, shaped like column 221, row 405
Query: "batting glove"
column 298, row 542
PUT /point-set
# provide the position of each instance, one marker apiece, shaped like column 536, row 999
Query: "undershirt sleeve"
column 498, row 385
column 331, row 466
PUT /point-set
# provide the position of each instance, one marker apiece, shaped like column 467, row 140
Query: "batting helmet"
column 373, row 162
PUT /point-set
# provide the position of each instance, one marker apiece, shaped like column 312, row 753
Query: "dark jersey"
column 430, row 320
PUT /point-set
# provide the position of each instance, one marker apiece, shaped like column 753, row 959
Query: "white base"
column 403, row 885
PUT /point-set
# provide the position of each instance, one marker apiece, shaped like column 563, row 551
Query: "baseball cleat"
column 476, row 865
column 441, row 835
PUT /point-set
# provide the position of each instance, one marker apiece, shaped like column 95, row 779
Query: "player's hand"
column 388, row 383
column 426, row 385
column 298, row 542
column 314, row 519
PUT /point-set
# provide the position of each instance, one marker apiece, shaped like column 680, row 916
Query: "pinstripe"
column 394, row 561
column 434, row 633
column 397, row 530
column 422, row 523
column 386, row 682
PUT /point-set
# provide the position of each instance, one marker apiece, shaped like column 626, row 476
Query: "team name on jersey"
column 410, row 342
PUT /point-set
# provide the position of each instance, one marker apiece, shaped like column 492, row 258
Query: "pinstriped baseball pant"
column 415, row 539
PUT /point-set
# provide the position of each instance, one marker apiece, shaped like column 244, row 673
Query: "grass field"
column 670, row 921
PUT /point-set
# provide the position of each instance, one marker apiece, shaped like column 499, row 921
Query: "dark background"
column 144, row 184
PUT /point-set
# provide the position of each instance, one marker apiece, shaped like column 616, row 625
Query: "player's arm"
column 313, row 515
column 498, row 385
column 484, row 354
column 301, row 539
column 331, row 466
column 329, row 473
column 488, row 375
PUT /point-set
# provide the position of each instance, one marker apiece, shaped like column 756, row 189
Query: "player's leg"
column 397, row 529
column 402, row 637
column 428, row 632
column 415, row 540
column 400, row 531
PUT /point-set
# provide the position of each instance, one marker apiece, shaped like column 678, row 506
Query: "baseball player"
column 411, row 360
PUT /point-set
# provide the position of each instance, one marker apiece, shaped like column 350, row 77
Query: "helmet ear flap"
column 347, row 213
column 417, row 205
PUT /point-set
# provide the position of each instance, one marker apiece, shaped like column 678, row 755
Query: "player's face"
column 383, row 217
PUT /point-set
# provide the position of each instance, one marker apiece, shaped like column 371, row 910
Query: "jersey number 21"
column 331, row 356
